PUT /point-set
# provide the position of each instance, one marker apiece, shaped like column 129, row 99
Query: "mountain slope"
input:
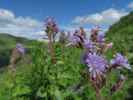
column 122, row 33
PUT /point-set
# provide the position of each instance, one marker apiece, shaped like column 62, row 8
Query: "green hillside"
column 122, row 33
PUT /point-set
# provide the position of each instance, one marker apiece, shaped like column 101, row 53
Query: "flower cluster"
column 97, row 63
column 95, row 60
column 77, row 38
column 94, row 57
column 51, row 25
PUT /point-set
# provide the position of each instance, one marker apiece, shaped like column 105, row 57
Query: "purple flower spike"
column 120, row 61
column 51, row 24
column 97, row 64
column 20, row 48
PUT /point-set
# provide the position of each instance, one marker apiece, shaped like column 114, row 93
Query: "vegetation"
column 121, row 33
column 37, row 78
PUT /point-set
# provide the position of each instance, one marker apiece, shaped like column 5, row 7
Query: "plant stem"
column 51, row 48
column 97, row 90
column 98, row 97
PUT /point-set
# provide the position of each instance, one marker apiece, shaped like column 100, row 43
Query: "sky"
column 26, row 17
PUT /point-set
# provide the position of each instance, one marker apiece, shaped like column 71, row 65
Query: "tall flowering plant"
column 98, row 67
column 97, row 64
column 17, row 53
column 51, row 30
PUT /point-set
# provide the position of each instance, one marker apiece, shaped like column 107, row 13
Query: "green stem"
column 51, row 48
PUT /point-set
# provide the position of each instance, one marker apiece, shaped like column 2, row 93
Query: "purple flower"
column 88, row 44
column 20, row 48
column 101, row 37
column 51, row 24
column 120, row 61
column 97, row 64
column 74, row 39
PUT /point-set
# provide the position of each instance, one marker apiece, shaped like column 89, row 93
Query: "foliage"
column 121, row 34
column 36, row 78
column 42, row 80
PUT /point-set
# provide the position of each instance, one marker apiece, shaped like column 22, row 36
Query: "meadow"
column 54, row 71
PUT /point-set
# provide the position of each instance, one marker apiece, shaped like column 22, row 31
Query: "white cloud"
column 107, row 17
column 130, row 5
column 19, row 26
